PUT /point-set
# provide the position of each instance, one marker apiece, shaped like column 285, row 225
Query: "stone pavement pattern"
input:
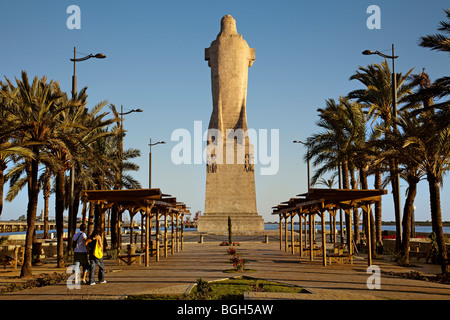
column 176, row 273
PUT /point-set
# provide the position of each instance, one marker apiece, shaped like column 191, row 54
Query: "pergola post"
column 285, row 233
column 324, row 240
column 148, row 231
column 131, row 225
column 306, row 231
column 172, row 249
column 280, row 227
column 119, row 230
column 177, row 235
column 300, row 229
column 142, row 229
column 292, row 233
column 311, row 241
column 157, row 235
column 147, row 240
column 182, row 230
column 165, row 234
column 348, row 212
column 366, row 210
column 334, row 226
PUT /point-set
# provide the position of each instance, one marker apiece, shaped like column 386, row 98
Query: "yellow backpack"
column 98, row 251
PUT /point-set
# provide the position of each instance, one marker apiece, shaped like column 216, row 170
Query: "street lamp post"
column 121, row 139
column 150, row 161
column 396, row 185
column 307, row 155
column 72, row 218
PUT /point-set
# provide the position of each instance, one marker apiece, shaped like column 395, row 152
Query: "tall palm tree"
column 36, row 105
column 433, row 145
column 396, row 145
column 377, row 94
column 9, row 147
column 330, row 147
column 344, row 124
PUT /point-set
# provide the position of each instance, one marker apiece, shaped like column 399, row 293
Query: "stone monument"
column 230, row 178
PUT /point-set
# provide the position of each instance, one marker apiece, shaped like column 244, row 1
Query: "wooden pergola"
column 151, row 203
column 320, row 201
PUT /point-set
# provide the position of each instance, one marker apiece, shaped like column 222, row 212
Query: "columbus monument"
column 230, row 177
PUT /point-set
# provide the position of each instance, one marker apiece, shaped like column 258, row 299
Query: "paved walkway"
column 176, row 273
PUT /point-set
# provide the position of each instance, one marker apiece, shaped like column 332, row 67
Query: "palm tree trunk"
column 436, row 219
column 91, row 218
column 59, row 215
column 407, row 213
column 47, row 188
column 33, row 193
column 346, row 185
column 392, row 165
column 356, row 232
column 2, row 183
column 113, row 227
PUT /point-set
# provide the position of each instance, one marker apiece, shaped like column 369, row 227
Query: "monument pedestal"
column 218, row 223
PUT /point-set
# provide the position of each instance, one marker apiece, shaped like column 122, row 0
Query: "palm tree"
column 58, row 133
column 396, row 145
column 111, row 149
column 440, row 89
column 37, row 106
column 378, row 96
column 344, row 125
column 8, row 147
column 438, row 41
column 433, row 146
column 329, row 183
column 330, row 148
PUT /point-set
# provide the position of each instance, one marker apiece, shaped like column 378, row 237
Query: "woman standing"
column 96, row 259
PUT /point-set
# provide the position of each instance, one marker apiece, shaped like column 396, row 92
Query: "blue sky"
column 305, row 53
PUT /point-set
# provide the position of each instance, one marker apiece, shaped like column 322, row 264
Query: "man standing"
column 80, row 256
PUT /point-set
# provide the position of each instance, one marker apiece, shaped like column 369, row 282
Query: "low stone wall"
column 48, row 248
column 421, row 243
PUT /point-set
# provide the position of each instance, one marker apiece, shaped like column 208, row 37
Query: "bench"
column 340, row 258
column 131, row 256
column 317, row 251
column 129, row 259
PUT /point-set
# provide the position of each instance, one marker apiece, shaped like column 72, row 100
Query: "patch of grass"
column 230, row 289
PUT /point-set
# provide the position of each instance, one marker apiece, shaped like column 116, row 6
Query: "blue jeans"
column 101, row 270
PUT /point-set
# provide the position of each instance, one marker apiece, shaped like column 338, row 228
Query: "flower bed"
column 235, row 244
